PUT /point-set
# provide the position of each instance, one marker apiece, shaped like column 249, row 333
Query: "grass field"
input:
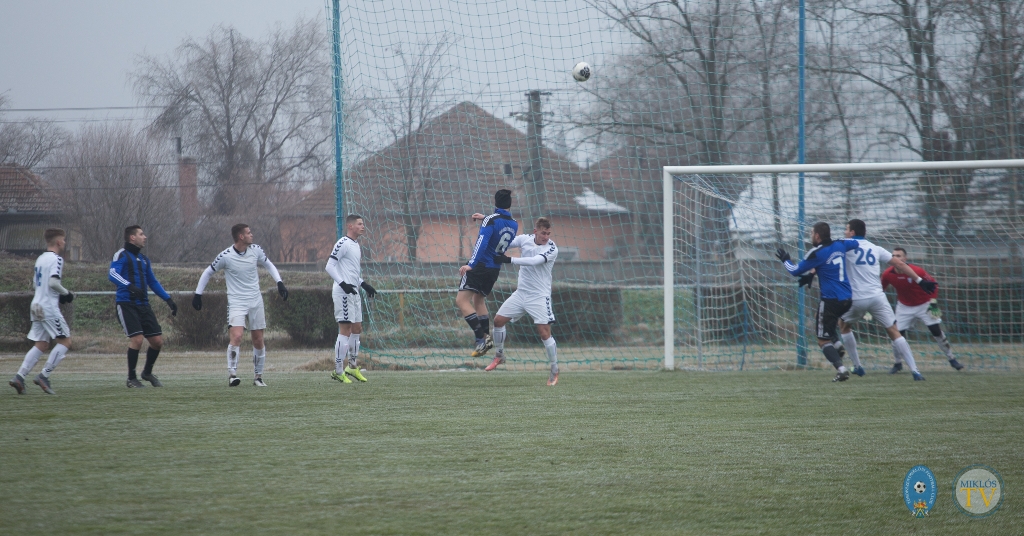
column 501, row 453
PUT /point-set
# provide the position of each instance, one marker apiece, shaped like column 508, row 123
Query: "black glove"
column 67, row 298
column 282, row 291
column 349, row 289
column 136, row 293
column 805, row 280
column 370, row 291
column 197, row 302
column 173, row 306
column 503, row 259
column 782, row 255
column 927, row 286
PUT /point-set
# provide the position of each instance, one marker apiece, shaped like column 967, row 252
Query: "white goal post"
column 668, row 177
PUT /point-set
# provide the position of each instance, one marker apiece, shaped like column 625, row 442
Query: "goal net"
column 736, row 307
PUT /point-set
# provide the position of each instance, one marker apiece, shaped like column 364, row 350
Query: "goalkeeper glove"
column 349, row 289
column 782, row 255
column 927, row 286
column 503, row 259
column 197, row 302
column 67, row 298
column 282, row 291
column 370, row 291
column 173, row 306
column 805, row 280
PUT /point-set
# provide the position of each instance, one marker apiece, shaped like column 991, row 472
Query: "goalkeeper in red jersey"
column 913, row 305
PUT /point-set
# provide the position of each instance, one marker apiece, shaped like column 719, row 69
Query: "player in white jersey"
column 868, row 296
column 532, row 295
column 47, row 321
column 343, row 267
column 245, row 301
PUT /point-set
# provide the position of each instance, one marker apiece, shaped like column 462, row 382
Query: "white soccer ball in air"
column 920, row 487
column 581, row 72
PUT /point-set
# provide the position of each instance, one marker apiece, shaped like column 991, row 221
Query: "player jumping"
column 480, row 273
column 343, row 267
column 47, row 321
column 245, row 302
column 916, row 302
column 869, row 297
column 533, row 293
column 828, row 259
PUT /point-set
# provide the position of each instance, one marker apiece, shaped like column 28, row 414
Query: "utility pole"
column 534, row 175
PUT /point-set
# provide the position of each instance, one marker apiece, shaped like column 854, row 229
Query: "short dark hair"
column 237, row 230
column 858, row 227
column 542, row 223
column 52, row 234
column 900, row 249
column 824, row 232
column 130, row 231
column 351, row 218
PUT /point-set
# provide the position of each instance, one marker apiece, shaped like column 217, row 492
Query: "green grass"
column 500, row 453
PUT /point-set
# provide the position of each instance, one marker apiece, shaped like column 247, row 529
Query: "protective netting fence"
column 742, row 306
column 451, row 100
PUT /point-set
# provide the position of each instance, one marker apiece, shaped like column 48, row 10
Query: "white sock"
column 233, row 360
column 31, row 358
column 259, row 357
column 902, row 349
column 841, row 369
column 552, row 350
column 56, row 356
column 340, row 350
column 850, row 343
column 943, row 343
column 498, row 334
column 353, row 349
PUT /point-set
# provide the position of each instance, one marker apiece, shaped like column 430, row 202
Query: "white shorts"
column 347, row 307
column 906, row 315
column 878, row 307
column 250, row 316
column 49, row 329
column 518, row 304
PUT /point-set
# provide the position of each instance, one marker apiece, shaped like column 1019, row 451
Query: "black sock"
column 133, row 361
column 475, row 325
column 485, row 322
column 832, row 355
column 151, row 355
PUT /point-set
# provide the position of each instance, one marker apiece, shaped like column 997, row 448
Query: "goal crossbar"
column 668, row 172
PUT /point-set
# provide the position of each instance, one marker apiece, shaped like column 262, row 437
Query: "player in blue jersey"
column 828, row 259
column 480, row 273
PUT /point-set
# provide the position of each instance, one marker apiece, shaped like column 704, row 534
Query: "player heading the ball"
column 480, row 273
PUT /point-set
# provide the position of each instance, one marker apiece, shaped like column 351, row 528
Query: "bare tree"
column 254, row 111
column 27, row 142
column 109, row 176
column 413, row 97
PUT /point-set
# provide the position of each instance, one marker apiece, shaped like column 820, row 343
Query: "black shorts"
column 136, row 319
column 829, row 312
column 480, row 280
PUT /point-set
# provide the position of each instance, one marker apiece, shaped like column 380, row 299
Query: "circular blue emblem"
column 919, row 490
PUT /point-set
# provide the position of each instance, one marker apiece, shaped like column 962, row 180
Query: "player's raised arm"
column 809, row 263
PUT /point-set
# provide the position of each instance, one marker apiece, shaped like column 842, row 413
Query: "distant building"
column 27, row 208
column 417, row 196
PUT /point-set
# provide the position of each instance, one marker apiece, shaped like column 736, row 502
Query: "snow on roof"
column 590, row 200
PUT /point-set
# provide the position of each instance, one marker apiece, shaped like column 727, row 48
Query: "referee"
column 132, row 272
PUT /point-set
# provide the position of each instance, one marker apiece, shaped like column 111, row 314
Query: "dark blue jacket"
column 130, row 266
column 496, row 233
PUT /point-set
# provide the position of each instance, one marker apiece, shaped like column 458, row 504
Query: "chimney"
column 188, row 189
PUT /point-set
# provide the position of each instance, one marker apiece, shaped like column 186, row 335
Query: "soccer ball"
column 581, row 72
column 920, row 487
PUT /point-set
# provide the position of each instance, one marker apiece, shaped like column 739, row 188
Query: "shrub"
column 202, row 329
column 307, row 316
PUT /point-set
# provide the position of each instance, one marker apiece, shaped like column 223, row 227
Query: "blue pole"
column 339, row 120
column 801, row 340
